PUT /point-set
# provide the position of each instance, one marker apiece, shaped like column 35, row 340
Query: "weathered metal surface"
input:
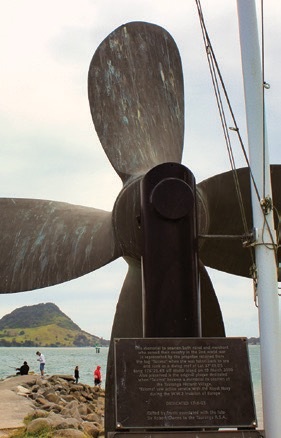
column 211, row 316
column 171, row 293
column 126, row 219
column 219, row 214
column 136, row 98
column 127, row 323
column 183, row 383
column 45, row 243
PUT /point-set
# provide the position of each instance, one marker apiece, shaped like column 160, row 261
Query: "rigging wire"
column 209, row 49
column 217, row 81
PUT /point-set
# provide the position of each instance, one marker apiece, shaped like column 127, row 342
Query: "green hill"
column 43, row 325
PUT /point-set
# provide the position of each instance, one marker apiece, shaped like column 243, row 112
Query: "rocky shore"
column 65, row 408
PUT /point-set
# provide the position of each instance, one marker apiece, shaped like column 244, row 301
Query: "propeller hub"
column 126, row 219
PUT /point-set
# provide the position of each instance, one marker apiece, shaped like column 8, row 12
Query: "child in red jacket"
column 97, row 376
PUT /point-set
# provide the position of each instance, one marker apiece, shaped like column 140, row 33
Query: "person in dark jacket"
column 23, row 370
column 76, row 374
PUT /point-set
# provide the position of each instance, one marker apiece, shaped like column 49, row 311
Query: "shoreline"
column 54, row 402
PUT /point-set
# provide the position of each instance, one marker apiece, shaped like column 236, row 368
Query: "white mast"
column 267, row 287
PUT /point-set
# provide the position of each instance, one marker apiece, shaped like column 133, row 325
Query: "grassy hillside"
column 36, row 316
column 43, row 325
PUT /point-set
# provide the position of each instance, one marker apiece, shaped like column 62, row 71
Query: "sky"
column 49, row 147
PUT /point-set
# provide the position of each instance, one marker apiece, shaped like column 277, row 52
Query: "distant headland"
column 44, row 325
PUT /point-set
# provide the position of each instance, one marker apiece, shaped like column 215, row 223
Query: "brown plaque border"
column 209, row 434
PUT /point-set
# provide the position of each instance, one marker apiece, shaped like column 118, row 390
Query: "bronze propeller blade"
column 219, row 215
column 136, row 98
column 45, row 243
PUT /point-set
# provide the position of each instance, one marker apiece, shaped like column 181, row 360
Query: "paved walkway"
column 13, row 407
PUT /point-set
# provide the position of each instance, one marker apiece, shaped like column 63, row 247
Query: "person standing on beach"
column 42, row 362
column 76, row 374
column 97, row 376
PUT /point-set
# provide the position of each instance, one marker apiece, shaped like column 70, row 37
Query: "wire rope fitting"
column 266, row 204
column 250, row 238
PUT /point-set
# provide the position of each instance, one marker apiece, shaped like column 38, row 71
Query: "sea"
column 64, row 360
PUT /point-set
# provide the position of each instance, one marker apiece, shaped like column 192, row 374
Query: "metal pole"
column 265, row 258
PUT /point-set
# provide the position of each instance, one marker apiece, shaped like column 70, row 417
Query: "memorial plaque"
column 182, row 383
